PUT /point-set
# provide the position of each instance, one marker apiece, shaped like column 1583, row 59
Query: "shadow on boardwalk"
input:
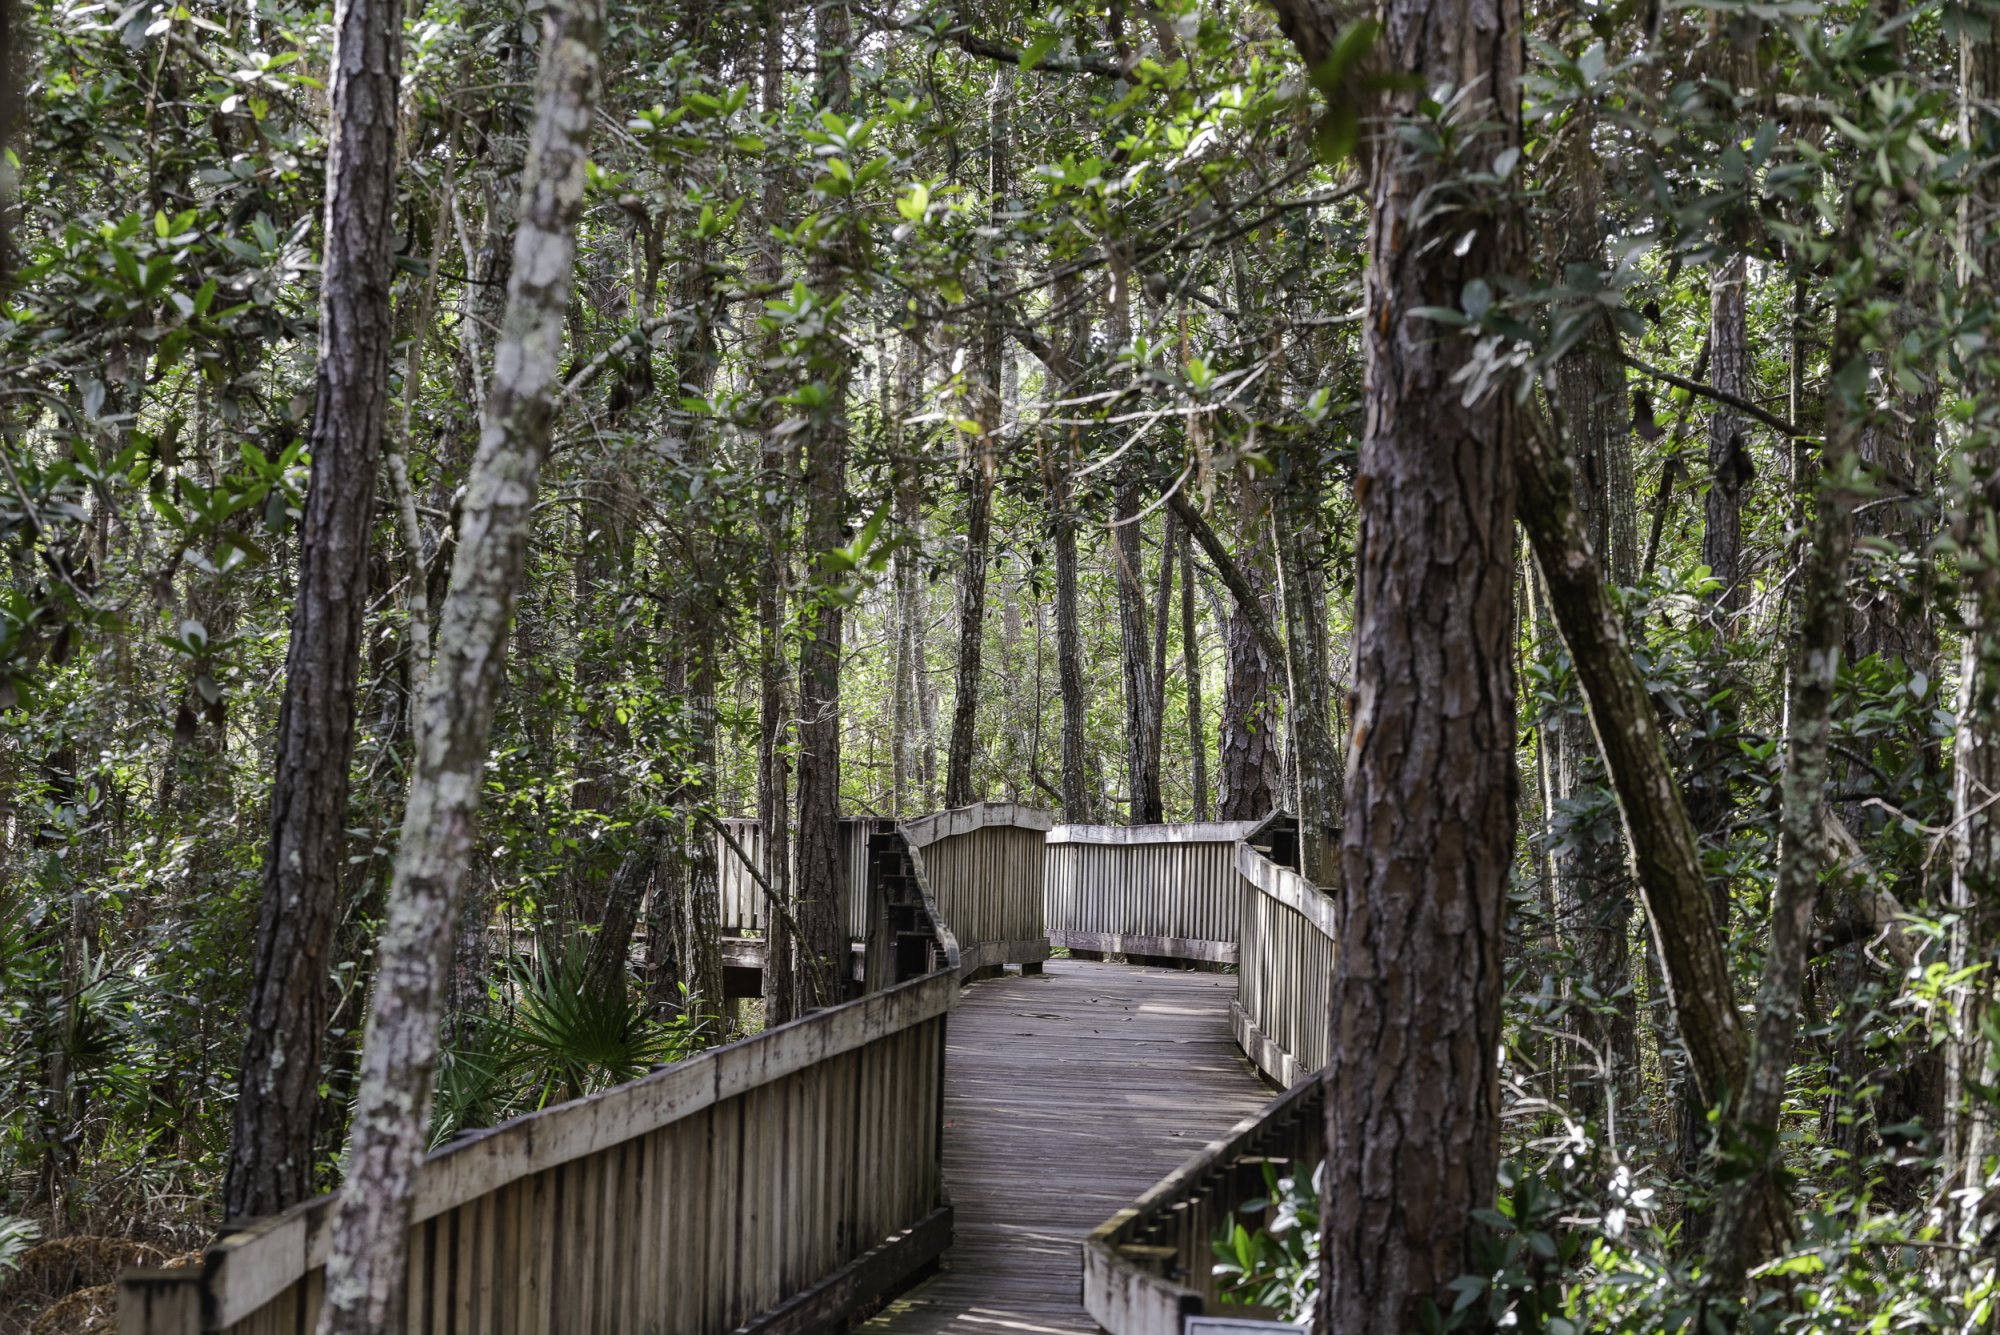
column 1066, row 1097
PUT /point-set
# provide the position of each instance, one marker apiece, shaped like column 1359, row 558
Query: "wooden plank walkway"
column 1066, row 1097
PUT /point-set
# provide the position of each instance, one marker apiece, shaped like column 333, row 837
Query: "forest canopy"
column 456, row 456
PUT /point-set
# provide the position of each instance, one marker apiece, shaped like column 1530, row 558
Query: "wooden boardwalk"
column 1066, row 1097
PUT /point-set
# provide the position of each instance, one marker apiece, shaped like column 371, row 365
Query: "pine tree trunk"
column 271, row 1157
column 1412, row 1109
column 365, row 1269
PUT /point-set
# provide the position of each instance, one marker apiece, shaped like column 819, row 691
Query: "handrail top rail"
column 923, row 831
column 1287, row 887
column 1177, row 832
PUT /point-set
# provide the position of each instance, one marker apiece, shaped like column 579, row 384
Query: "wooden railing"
column 768, row 1185
column 776, row 1183
column 744, row 906
column 1283, row 968
column 985, row 864
column 1150, row 1267
column 1167, row 891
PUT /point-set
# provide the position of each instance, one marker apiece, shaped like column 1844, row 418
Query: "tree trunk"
column 1412, row 1107
column 982, row 457
column 1248, row 779
column 978, row 489
column 1593, row 904
column 271, row 1157
column 1142, row 751
column 1191, row 669
column 822, row 870
column 612, row 947
column 1058, row 469
column 365, row 1269
column 1316, row 760
column 1728, row 439
column 1751, row 1218
column 1666, row 856
column 1971, row 1061
column 775, row 516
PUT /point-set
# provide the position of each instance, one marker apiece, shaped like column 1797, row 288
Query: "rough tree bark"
column 365, row 1269
column 1412, row 1106
column 1665, row 853
column 821, row 869
column 978, row 489
column 271, row 1156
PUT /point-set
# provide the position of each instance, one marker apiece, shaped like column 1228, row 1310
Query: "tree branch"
column 1232, row 577
column 1710, row 392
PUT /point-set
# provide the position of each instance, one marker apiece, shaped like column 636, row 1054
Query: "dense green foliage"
column 1175, row 262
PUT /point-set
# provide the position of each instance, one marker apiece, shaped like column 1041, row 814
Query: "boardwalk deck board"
column 1066, row 1097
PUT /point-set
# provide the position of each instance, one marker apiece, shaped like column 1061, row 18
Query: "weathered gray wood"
column 1160, row 947
column 880, row 1269
column 1066, row 1097
column 1183, row 832
column 927, row 830
column 775, row 1183
column 159, row 1302
column 1124, row 1287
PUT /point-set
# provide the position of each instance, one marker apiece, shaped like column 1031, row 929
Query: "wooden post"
column 159, row 1302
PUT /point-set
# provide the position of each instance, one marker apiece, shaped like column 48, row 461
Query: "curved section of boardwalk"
column 1066, row 1097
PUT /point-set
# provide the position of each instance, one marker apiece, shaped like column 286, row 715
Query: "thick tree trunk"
column 1413, row 1094
column 271, row 1158
column 822, row 871
column 365, row 1269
